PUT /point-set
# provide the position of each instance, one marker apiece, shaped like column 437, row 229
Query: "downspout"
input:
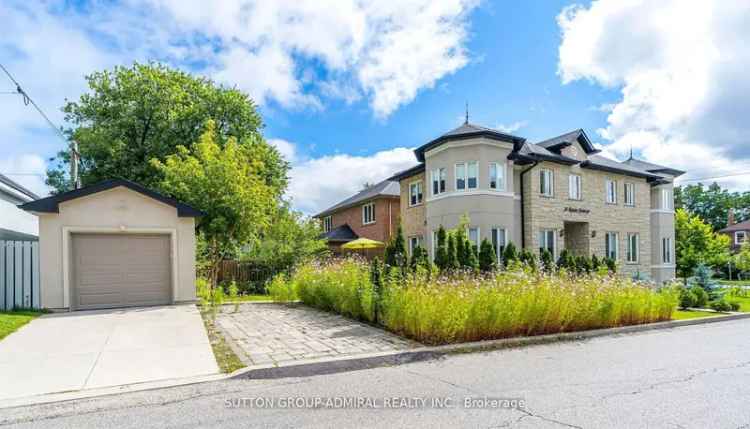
column 523, row 222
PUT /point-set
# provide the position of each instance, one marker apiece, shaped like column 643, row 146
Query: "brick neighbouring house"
column 555, row 194
column 737, row 232
column 372, row 213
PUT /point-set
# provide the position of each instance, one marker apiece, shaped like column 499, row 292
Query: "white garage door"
column 117, row 270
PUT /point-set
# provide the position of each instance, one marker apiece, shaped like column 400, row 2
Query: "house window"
column 611, row 245
column 414, row 242
column 497, row 176
column 474, row 236
column 666, row 250
column 629, row 194
column 739, row 237
column 368, row 213
column 547, row 240
column 632, row 248
column 438, row 181
column 460, row 176
column 473, row 170
column 415, row 193
column 611, row 186
column 666, row 199
column 574, row 187
column 327, row 223
column 546, row 183
column 499, row 241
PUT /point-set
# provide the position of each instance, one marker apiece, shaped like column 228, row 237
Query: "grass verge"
column 11, row 321
column 248, row 298
column 692, row 314
column 225, row 357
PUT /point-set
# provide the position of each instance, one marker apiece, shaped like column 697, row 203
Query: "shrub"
column 565, row 260
column 452, row 262
column 583, row 265
column 548, row 261
column 611, row 265
column 701, row 296
column 510, row 254
column 203, row 291
column 734, row 305
column 528, row 259
column 687, row 298
column 487, row 257
column 465, row 307
column 441, row 251
column 595, row 263
column 281, row 289
column 720, row 305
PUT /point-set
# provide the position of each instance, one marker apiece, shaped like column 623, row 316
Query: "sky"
column 347, row 89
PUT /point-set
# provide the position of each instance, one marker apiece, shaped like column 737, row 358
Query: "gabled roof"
column 598, row 162
column 741, row 226
column 413, row 171
column 386, row 188
column 530, row 152
column 556, row 143
column 18, row 188
column 653, row 168
column 340, row 234
column 51, row 204
column 467, row 131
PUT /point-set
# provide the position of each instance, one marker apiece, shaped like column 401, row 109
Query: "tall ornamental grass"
column 468, row 307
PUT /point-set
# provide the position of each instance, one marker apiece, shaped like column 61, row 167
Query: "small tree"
column 611, row 265
column 695, row 243
column 395, row 251
column 510, row 254
column 548, row 261
column 583, row 264
column 528, row 258
column 418, row 259
column 472, row 260
column 487, row 257
column 441, row 249
column 462, row 247
column 452, row 259
column 595, row 263
column 742, row 259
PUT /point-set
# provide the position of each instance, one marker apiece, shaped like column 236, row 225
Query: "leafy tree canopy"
column 696, row 243
column 712, row 203
column 134, row 114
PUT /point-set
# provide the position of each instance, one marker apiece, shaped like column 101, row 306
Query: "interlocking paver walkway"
column 268, row 333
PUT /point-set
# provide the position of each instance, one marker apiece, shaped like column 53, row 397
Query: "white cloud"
column 287, row 149
column 26, row 170
column 511, row 128
column 681, row 68
column 318, row 183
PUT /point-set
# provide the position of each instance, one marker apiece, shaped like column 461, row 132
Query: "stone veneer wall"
column 549, row 212
column 413, row 218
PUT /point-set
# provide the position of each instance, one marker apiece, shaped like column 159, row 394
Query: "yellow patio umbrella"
column 363, row 244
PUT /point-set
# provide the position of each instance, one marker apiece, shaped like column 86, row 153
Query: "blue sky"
column 347, row 88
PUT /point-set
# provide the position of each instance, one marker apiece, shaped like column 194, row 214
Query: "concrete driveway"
column 91, row 349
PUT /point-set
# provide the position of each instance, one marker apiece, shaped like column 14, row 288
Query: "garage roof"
column 51, row 204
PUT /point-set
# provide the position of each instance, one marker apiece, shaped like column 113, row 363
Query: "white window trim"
column 468, row 176
column 479, row 235
column 419, row 238
column 551, row 193
column 420, row 199
column 554, row 240
column 637, row 248
column 494, row 238
column 737, row 236
column 327, row 223
column 578, row 187
column 435, row 176
column 607, row 185
column 364, row 206
column 667, row 250
column 500, row 170
column 632, row 194
column 666, row 197
column 617, row 244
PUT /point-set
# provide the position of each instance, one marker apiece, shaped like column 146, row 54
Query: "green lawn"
column 735, row 282
column 248, row 298
column 744, row 302
column 10, row 321
column 687, row 314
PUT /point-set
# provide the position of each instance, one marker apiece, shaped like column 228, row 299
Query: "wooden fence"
column 19, row 274
column 250, row 277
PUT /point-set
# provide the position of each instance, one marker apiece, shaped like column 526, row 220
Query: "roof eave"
column 420, row 151
column 591, row 166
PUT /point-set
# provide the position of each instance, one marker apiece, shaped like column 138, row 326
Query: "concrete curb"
column 372, row 360
column 363, row 361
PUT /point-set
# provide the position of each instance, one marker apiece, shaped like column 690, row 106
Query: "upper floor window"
column 438, row 181
column 368, row 213
column 546, row 182
column 499, row 241
column 460, row 176
column 547, row 240
column 632, row 248
column 466, row 175
column 327, row 223
column 611, row 189
column 473, row 172
column 629, row 194
column 497, row 176
column 739, row 237
column 574, row 187
column 611, row 245
column 415, row 193
column 666, row 250
column 666, row 199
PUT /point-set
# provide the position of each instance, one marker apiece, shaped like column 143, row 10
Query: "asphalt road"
column 692, row 377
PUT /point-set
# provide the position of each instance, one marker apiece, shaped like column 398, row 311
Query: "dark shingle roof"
column 741, row 226
column 51, row 204
column 15, row 186
column 567, row 139
column 341, row 233
column 419, row 168
column 653, row 168
column 466, row 131
column 386, row 188
column 598, row 162
column 530, row 152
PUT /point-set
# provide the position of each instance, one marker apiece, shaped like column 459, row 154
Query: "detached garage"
column 114, row 244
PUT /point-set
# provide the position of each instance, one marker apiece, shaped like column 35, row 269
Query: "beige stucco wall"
column 118, row 210
column 549, row 212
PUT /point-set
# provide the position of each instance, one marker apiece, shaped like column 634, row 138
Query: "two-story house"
column 372, row 213
column 555, row 194
column 738, row 232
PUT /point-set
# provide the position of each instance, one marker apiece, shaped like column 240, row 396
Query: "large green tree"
column 696, row 243
column 131, row 115
column 227, row 183
column 712, row 203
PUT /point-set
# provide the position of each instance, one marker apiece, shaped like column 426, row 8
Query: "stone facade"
column 413, row 217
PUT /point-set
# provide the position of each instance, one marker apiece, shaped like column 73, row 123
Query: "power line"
column 24, row 174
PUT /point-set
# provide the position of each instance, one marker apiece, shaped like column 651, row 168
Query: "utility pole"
column 75, row 181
